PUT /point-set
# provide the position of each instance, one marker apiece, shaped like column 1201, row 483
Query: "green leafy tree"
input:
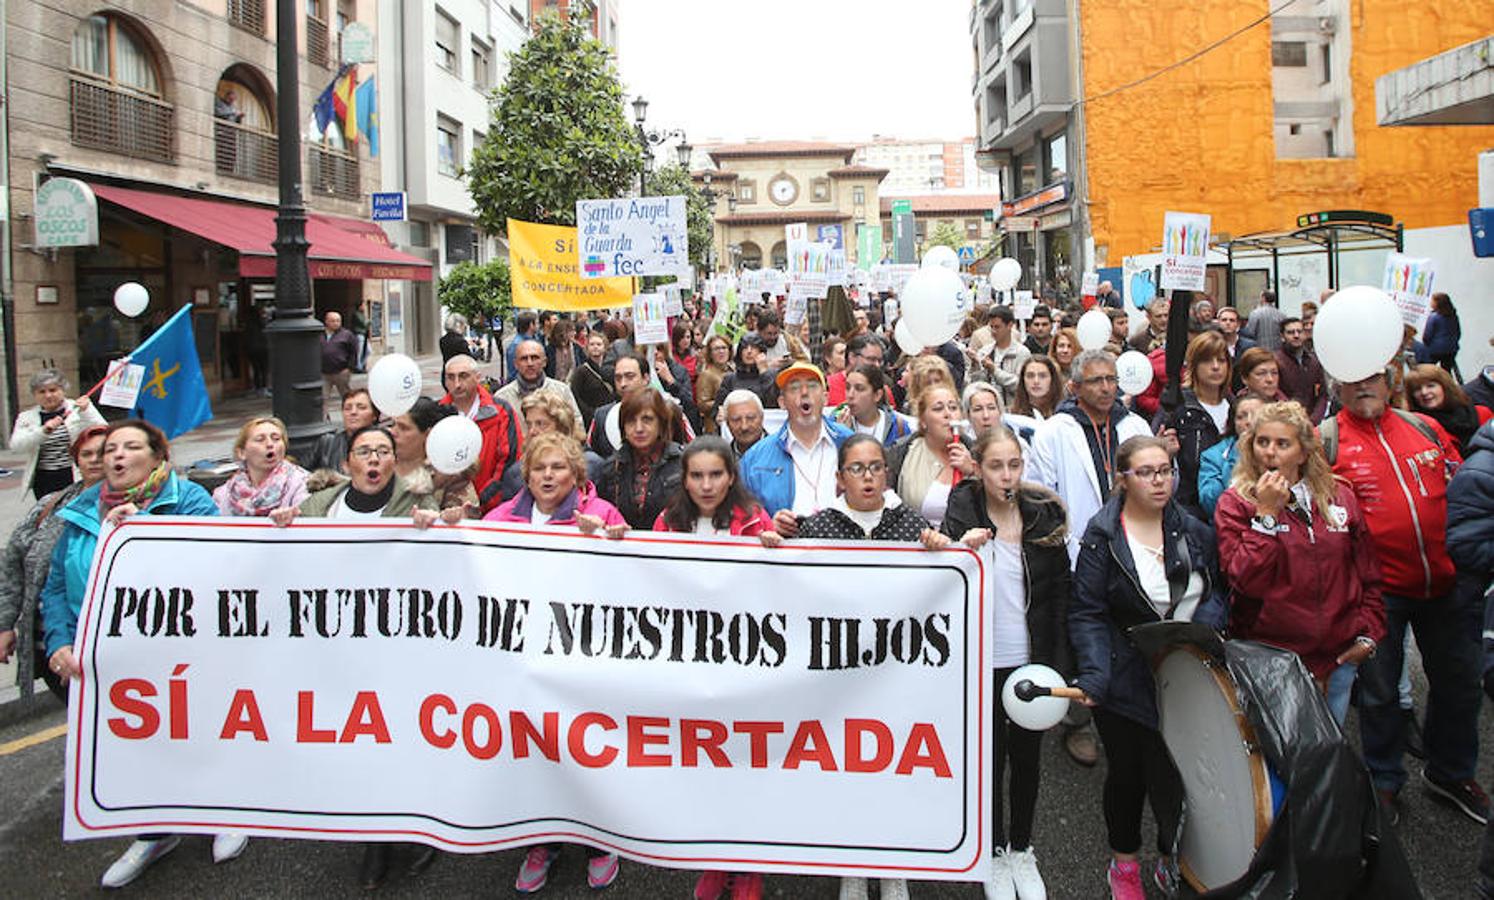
column 558, row 133
column 947, row 234
column 479, row 292
column 675, row 180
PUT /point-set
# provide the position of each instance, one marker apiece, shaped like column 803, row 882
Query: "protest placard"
column 1023, row 305
column 632, row 236
column 809, row 266
column 122, row 389
column 1408, row 281
column 797, row 306
column 650, row 323
column 491, row 687
column 543, row 273
column 1185, row 249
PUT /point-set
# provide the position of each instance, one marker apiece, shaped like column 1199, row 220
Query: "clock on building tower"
column 783, row 189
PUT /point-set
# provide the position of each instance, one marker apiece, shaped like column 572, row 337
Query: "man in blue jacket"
column 1470, row 543
column 792, row 472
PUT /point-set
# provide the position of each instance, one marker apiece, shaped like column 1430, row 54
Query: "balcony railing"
column 317, row 42
column 248, row 15
column 105, row 117
column 332, row 172
column 245, row 153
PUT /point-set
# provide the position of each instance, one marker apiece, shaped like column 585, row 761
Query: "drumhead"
column 1228, row 806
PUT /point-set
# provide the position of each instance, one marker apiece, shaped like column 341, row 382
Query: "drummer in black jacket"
column 1024, row 528
column 1142, row 560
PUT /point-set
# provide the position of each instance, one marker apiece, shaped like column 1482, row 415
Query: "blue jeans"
column 1340, row 686
column 1447, row 630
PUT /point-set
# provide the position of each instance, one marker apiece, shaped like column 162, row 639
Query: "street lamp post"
column 295, row 352
column 651, row 138
column 710, row 198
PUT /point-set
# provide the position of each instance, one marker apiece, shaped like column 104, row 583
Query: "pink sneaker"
column 710, row 885
column 535, row 871
column 1125, row 881
column 602, row 871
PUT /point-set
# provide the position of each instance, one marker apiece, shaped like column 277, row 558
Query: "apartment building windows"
column 116, row 100
column 482, row 65
column 448, row 43
column 448, row 146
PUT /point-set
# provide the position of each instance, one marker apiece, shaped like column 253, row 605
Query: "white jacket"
column 28, row 435
column 1061, row 462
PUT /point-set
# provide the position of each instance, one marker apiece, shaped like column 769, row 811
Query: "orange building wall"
column 1199, row 138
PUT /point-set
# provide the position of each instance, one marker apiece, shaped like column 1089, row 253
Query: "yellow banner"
column 544, row 274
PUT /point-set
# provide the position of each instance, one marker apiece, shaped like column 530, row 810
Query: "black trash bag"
column 1328, row 840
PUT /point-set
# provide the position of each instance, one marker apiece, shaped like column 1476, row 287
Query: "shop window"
column 116, row 92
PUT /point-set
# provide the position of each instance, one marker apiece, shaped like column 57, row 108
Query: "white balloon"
column 1094, row 330
column 1039, row 713
column 1005, row 274
column 905, row 338
column 394, row 384
column 943, row 257
column 1357, row 332
column 935, row 303
column 453, row 444
column 131, row 299
column 1134, row 371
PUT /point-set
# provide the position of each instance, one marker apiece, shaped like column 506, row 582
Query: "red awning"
column 340, row 247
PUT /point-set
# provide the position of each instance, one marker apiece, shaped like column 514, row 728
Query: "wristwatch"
column 1366, row 641
column 1267, row 522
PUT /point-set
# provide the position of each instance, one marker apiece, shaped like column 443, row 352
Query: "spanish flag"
column 345, row 102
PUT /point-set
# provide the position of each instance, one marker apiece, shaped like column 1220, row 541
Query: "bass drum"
column 1226, row 784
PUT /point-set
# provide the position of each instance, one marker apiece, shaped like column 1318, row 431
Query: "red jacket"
column 1400, row 480
column 743, row 523
column 500, row 437
column 1311, row 588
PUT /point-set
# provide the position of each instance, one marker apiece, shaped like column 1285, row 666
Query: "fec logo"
column 67, row 214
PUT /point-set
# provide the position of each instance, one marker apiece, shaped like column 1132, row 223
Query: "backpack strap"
column 1328, row 432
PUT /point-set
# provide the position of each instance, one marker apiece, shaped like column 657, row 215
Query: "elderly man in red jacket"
column 1399, row 465
column 496, row 419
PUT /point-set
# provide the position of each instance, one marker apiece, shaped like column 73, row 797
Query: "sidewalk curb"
column 19, row 709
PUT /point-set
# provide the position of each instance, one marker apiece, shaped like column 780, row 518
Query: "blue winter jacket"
column 1108, row 601
column 1470, row 529
column 1441, row 335
column 62, row 595
column 768, row 470
column 1215, row 468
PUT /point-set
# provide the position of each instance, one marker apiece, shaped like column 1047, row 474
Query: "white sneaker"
column 228, row 846
column 136, row 860
column 853, row 888
column 1025, row 877
column 894, row 889
column 999, row 885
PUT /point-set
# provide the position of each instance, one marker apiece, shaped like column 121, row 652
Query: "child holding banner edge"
column 1024, row 529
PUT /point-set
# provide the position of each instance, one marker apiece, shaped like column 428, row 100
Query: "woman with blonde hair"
column 266, row 479
column 714, row 364
column 925, row 466
column 1298, row 553
column 919, row 373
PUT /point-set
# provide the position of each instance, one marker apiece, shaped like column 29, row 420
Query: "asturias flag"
column 368, row 115
column 173, row 396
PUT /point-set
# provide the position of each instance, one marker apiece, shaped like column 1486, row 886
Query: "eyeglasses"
column 1153, row 474
column 371, row 452
column 858, row 470
column 800, row 386
column 1101, row 381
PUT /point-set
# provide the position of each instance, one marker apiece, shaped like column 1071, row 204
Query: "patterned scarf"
column 244, row 499
column 141, row 494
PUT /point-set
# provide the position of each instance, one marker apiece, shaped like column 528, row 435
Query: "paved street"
column 1069, row 839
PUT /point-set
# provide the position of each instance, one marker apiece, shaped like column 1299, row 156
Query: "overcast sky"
column 800, row 69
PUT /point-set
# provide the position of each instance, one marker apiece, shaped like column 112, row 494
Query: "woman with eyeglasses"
column 1302, row 568
column 866, row 510
column 1023, row 529
column 1142, row 559
column 372, row 490
column 926, row 465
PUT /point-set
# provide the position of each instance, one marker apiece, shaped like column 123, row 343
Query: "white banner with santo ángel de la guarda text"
column 686, row 702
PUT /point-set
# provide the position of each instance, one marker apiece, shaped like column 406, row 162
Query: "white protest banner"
column 631, row 236
column 809, row 266
column 838, row 271
column 1408, row 281
column 674, row 300
column 1024, row 305
column 650, row 324
column 900, row 273
column 774, row 282
column 1185, row 248
column 1091, row 284
column 797, row 306
column 495, row 686
column 122, row 390
column 798, row 231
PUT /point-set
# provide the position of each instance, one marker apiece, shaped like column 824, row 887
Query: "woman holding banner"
column 1142, row 560
column 372, row 490
column 927, row 464
column 410, row 463
column 266, row 479
column 866, row 511
column 645, row 472
column 1024, row 529
column 137, row 480
column 557, row 494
